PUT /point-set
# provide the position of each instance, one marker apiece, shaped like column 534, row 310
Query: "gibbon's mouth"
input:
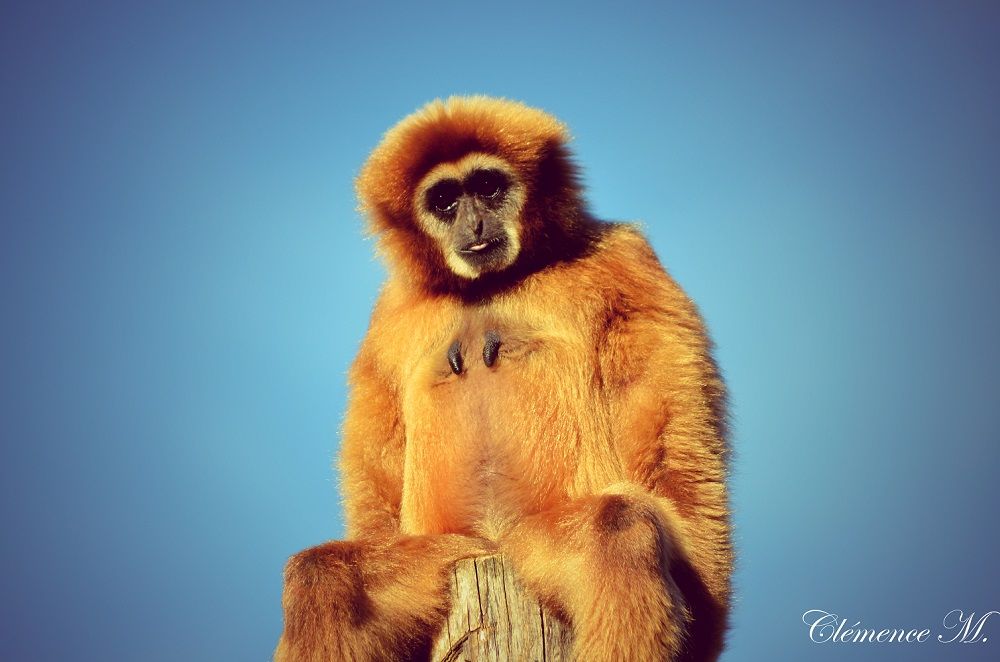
column 483, row 248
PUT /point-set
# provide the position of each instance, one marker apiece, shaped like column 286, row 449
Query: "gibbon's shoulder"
column 625, row 242
column 624, row 258
column 628, row 274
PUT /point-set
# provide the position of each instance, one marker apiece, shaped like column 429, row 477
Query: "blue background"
column 184, row 283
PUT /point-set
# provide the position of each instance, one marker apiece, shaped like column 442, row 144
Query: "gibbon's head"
column 473, row 190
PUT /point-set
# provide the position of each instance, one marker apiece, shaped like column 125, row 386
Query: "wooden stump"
column 494, row 619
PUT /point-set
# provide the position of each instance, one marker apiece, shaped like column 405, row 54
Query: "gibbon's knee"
column 328, row 555
column 329, row 577
column 321, row 562
column 628, row 531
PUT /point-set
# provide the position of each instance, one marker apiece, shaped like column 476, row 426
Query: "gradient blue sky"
column 184, row 283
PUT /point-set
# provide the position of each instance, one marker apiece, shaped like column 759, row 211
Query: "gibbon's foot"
column 491, row 348
column 455, row 357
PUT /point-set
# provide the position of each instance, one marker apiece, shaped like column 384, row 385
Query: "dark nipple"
column 491, row 348
column 455, row 357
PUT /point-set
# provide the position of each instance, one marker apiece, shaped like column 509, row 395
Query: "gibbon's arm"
column 667, row 400
column 670, row 403
column 642, row 568
column 371, row 453
column 379, row 595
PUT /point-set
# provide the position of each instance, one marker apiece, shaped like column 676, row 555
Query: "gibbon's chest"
column 482, row 358
column 482, row 373
column 498, row 413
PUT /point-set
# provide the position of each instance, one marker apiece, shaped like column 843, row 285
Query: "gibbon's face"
column 472, row 209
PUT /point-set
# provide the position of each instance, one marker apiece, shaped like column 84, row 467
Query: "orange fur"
column 592, row 453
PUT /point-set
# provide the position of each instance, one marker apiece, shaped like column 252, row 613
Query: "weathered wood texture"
column 494, row 619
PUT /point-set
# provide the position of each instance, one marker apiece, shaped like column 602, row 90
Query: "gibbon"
column 532, row 383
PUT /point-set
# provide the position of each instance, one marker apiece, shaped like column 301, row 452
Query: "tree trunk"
column 494, row 619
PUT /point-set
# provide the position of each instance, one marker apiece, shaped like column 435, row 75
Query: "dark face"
column 473, row 213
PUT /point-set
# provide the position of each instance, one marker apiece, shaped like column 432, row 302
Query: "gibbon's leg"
column 354, row 600
column 613, row 565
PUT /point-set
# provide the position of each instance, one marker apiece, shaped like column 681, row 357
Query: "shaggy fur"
column 592, row 452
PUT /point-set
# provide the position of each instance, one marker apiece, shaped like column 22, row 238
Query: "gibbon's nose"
column 470, row 218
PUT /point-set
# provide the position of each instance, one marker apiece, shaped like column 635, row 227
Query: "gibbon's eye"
column 442, row 198
column 487, row 184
